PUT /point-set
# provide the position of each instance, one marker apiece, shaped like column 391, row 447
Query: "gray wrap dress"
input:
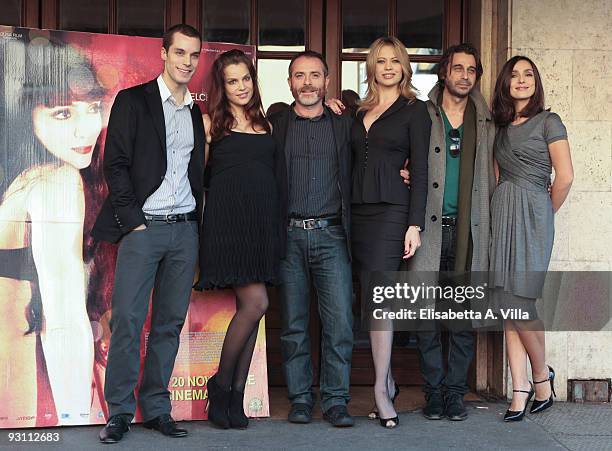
column 522, row 216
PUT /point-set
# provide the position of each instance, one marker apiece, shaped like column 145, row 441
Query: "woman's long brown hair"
column 219, row 109
column 503, row 104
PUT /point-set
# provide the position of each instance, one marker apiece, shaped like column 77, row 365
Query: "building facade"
column 567, row 39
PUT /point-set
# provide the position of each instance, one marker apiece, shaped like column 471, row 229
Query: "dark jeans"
column 319, row 255
column 461, row 346
column 161, row 256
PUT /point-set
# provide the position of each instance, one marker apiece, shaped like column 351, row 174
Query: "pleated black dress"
column 239, row 243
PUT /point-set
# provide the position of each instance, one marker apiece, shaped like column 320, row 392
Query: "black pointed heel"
column 389, row 423
column 539, row 406
column 374, row 412
column 517, row 415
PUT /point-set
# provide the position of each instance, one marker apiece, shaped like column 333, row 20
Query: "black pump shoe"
column 538, row 406
column 517, row 415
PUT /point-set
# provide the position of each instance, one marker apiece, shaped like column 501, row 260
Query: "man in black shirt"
column 314, row 164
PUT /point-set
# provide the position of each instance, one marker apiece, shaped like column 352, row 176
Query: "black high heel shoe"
column 517, row 415
column 389, row 423
column 374, row 412
column 218, row 404
column 538, row 406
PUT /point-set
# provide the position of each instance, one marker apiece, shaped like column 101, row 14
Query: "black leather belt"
column 171, row 218
column 449, row 221
column 314, row 223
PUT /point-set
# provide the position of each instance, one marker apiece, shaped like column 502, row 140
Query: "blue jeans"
column 319, row 255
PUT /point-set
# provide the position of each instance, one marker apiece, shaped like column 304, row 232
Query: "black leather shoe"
column 454, row 408
column 339, row 417
column 434, row 409
column 115, row 428
column 300, row 413
column 166, row 425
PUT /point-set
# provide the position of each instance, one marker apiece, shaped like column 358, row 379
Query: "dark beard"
column 451, row 89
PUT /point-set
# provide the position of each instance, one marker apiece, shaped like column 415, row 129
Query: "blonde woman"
column 391, row 126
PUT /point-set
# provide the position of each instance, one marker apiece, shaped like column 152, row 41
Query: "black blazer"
column 341, row 126
column 135, row 159
column 400, row 133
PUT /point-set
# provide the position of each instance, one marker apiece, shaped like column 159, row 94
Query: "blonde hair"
column 405, row 86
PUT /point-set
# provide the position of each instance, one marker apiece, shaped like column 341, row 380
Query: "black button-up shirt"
column 312, row 166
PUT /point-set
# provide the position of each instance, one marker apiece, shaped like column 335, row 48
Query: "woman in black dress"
column 392, row 126
column 239, row 244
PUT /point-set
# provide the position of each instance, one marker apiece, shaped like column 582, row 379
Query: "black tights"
column 239, row 343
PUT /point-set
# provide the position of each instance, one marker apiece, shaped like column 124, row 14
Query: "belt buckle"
column 171, row 218
column 309, row 224
column 450, row 221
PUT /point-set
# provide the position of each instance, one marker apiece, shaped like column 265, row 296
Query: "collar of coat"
column 482, row 109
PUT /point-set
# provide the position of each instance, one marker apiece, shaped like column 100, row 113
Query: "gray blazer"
column 427, row 257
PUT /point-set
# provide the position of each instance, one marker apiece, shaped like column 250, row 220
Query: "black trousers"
column 461, row 346
column 161, row 257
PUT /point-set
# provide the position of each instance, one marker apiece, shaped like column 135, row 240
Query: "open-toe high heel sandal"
column 374, row 412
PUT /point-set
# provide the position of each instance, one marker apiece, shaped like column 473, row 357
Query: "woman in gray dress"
column 530, row 142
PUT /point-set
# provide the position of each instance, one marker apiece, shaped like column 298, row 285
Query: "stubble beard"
column 308, row 101
column 451, row 89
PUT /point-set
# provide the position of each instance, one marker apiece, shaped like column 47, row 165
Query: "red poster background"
column 27, row 400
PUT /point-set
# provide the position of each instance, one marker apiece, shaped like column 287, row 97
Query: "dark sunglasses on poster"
column 455, row 146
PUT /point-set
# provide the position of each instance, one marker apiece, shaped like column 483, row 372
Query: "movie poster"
column 56, row 91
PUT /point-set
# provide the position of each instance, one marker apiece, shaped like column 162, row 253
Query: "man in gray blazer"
column 456, row 234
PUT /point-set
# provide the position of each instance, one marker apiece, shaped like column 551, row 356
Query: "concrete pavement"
column 565, row 426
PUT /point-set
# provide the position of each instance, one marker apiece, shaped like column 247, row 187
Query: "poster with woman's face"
column 56, row 91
